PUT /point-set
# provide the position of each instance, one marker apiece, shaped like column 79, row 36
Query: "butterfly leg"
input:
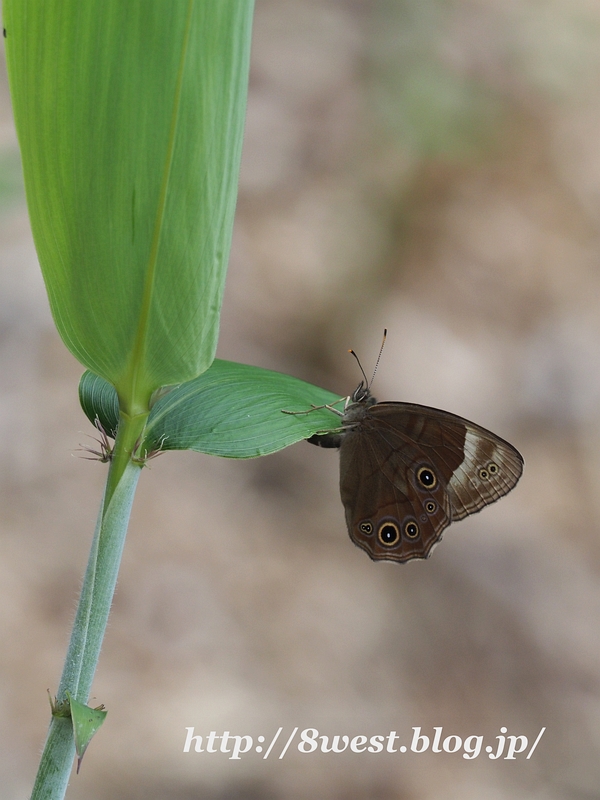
column 316, row 408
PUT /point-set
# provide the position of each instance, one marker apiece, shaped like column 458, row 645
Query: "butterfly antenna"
column 368, row 383
column 379, row 356
column 360, row 367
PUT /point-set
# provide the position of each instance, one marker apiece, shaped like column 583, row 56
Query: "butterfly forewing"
column 490, row 469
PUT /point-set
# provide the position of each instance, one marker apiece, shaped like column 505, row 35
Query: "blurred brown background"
column 429, row 167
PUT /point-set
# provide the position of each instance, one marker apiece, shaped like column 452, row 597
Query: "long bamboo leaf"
column 130, row 120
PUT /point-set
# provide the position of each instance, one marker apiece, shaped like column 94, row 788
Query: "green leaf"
column 99, row 400
column 86, row 722
column 231, row 410
column 130, row 119
column 237, row 411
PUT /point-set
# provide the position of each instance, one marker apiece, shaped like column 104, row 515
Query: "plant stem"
column 93, row 609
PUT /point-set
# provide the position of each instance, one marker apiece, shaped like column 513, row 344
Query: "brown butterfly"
column 408, row 471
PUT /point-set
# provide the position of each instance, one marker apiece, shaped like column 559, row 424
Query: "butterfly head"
column 362, row 394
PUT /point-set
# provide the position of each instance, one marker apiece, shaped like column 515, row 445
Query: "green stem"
column 93, row 609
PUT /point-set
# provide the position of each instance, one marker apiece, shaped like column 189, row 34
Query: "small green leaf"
column 99, row 400
column 231, row 410
column 236, row 411
column 86, row 722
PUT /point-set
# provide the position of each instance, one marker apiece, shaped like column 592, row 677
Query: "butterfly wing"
column 408, row 471
column 388, row 513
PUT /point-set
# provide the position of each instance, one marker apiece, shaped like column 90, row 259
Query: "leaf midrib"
column 134, row 390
